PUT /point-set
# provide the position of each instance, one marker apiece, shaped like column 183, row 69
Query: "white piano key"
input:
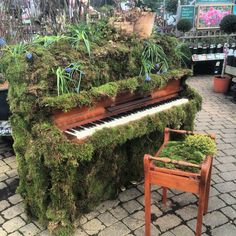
column 126, row 119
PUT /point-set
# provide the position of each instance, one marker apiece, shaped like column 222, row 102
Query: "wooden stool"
column 198, row 183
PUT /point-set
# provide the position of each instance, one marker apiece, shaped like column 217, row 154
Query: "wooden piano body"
column 112, row 106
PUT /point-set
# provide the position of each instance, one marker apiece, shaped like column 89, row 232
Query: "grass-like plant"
column 153, row 54
column 69, row 79
column 46, row 41
column 78, row 34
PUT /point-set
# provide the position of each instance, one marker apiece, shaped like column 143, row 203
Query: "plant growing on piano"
column 69, row 79
column 152, row 55
column 47, row 41
column 78, row 34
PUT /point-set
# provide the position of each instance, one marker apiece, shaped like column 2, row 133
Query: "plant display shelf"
column 230, row 70
column 197, row 183
column 5, row 129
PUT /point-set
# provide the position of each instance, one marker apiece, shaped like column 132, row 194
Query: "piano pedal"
column 122, row 188
column 134, row 183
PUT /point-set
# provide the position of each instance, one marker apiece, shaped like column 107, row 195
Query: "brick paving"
column 125, row 215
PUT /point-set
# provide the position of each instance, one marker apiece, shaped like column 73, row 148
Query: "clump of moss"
column 193, row 149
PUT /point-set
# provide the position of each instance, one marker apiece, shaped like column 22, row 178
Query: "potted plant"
column 221, row 82
column 184, row 25
column 138, row 19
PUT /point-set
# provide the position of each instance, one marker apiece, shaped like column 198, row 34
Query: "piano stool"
column 197, row 183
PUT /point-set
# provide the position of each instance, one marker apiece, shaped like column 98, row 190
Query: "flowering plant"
column 210, row 16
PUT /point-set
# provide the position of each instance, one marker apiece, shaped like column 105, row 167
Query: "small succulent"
column 2, row 41
column 147, row 77
column 29, row 56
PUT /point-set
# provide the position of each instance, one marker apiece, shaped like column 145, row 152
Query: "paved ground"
column 125, row 216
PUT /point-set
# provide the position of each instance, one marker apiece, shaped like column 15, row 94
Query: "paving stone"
column 229, row 212
column 225, row 187
column 10, row 159
column 182, row 230
column 213, row 192
column 13, row 224
column 24, row 216
column 12, row 173
column 13, row 211
column 141, row 231
column 16, row 198
column 129, row 194
column 141, row 198
column 156, row 211
column 227, row 198
column 91, row 215
column 226, row 159
column 39, row 225
column 79, row 232
column 4, row 168
column 224, row 230
column 167, row 222
column 3, row 205
column 216, row 178
column 192, row 225
column 2, row 186
column 228, row 176
column 30, row 230
column 1, row 220
column 230, row 151
column 118, row 229
column 46, row 233
column 188, row 212
column 107, row 219
column 107, row 205
column 16, row 233
column 132, row 206
column 93, row 227
column 119, row 212
column 82, row 220
column 3, row 177
column 226, row 167
column 168, row 234
column 214, row 219
column 135, row 220
column 184, row 199
column 3, row 232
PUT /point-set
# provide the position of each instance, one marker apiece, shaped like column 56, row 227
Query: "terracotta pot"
column 143, row 26
column 125, row 26
column 221, row 84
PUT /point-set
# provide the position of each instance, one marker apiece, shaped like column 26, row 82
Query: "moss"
column 60, row 179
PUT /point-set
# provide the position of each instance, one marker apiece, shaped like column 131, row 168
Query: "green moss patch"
column 193, row 149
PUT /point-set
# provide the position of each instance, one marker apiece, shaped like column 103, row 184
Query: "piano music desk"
column 197, row 183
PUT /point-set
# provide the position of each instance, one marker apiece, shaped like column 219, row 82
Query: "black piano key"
column 119, row 116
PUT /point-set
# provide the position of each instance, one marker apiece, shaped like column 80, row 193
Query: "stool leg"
column 208, row 186
column 200, row 212
column 147, row 190
column 164, row 195
column 207, row 195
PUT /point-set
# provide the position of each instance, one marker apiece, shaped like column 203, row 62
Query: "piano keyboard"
column 84, row 131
